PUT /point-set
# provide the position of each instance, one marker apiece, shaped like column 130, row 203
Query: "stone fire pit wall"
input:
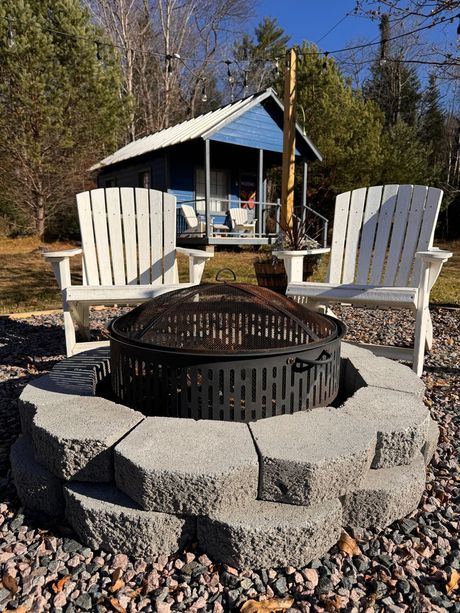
column 271, row 493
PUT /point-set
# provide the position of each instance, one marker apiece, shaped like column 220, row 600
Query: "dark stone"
column 199, row 570
column 160, row 594
column 233, row 597
column 362, row 564
column 325, row 585
column 264, row 576
column 280, row 586
column 229, row 580
column 347, row 583
column 259, row 585
column 71, row 546
column 408, row 525
column 403, row 586
column 84, row 602
column 315, row 563
column 378, row 587
column 17, row 522
column 245, row 583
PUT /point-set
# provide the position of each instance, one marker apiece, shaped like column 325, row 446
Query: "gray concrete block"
column 185, row 466
column 387, row 494
column 310, row 457
column 267, row 534
column 429, row 447
column 366, row 369
column 102, row 516
column 74, row 376
column 75, row 439
column 38, row 489
column 401, row 421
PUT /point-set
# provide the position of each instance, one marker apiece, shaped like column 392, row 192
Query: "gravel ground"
column 414, row 565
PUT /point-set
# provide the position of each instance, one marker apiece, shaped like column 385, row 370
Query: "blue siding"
column 256, row 128
column 181, row 178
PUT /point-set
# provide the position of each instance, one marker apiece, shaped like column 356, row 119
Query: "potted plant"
column 294, row 241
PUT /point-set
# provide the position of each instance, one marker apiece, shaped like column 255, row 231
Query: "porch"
column 213, row 224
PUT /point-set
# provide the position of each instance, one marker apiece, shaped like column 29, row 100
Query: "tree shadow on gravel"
column 28, row 349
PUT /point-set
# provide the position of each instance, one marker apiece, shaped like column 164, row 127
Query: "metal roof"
column 202, row 126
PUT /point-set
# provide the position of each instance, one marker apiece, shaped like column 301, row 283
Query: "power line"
column 130, row 49
column 333, row 28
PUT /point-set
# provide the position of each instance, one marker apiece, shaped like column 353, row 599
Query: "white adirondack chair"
column 240, row 222
column 194, row 225
column 382, row 255
column 129, row 255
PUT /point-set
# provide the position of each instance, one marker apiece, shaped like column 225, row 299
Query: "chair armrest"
column 433, row 255
column 293, row 261
column 195, row 253
column 196, row 262
column 431, row 262
column 65, row 253
column 61, row 265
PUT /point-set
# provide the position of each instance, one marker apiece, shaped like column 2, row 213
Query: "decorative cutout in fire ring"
column 270, row 493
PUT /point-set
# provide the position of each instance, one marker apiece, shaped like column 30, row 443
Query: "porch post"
column 304, row 191
column 207, row 189
column 260, row 193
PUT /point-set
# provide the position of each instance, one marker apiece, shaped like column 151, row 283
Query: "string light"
column 98, row 50
column 10, row 34
column 245, row 82
column 276, row 67
column 326, row 53
column 204, row 95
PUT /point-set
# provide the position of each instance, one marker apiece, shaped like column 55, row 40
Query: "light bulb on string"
column 204, row 95
column 276, row 67
column 245, row 82
column 324, row 67
column 10, row 35
column 98, row 50
column 230, row 77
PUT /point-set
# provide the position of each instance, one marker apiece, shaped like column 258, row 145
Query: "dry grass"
column 27, row 282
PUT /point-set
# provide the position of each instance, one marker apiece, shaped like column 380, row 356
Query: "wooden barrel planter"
column 272, row 274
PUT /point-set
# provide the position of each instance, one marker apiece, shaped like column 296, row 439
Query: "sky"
column 333, row 25
column 311, row 20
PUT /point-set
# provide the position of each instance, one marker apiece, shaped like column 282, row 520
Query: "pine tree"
column 393, row 85
column 60, row 108
column 433, row 126
column 260, row 58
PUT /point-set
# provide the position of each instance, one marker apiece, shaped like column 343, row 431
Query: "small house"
column 216, row 165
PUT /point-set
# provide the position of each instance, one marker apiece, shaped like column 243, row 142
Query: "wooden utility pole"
column 288, row 171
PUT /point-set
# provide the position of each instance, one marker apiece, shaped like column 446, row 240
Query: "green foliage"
column 60, row 108
column 433, row 126
column 403, row 160
column 269, row 41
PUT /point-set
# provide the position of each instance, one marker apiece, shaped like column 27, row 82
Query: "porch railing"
column 267, row 215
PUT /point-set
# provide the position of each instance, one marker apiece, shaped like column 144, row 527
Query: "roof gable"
column 267, row 110
column 257, row 127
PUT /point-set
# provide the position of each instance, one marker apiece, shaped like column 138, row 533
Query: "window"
column 219, row 190
column 112, row 182
column 144, row 179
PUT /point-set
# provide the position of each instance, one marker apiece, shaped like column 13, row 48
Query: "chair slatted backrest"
column 238, row 217
column 128, row 236
column 189, row 215
column 378, row 230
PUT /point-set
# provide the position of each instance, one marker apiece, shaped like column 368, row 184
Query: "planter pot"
column 271, row 275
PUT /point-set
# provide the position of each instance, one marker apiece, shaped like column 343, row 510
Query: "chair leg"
column 421, row 325
column 83, row 321
column 69, row 330
column 429, row 333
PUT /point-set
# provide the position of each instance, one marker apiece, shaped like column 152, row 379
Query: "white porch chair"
column 129, row 255
column 194, row 225
column 382, row 255
column 240, row 221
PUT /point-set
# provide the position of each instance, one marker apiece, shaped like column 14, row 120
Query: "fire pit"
column 226, row 351
column 272, row 492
